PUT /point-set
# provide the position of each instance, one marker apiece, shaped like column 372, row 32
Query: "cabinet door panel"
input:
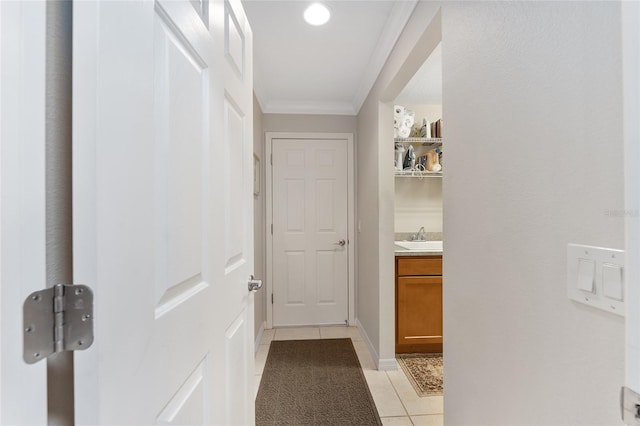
column 420, row 312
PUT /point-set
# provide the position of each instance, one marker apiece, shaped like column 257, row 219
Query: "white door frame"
column 269, row 137
column 631, row 112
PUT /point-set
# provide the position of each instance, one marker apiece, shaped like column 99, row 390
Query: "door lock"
column 341, row 243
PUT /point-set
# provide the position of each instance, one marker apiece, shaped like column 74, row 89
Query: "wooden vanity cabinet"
column 418, row 304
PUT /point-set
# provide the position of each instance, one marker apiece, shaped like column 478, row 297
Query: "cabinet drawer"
column 411, row 266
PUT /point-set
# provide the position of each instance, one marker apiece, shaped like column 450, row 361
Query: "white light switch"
column 595, row 277
column 612, row 281
column 586, row 275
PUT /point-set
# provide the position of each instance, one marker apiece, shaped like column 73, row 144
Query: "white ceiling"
column 329, row 69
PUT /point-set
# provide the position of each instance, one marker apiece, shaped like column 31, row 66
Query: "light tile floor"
column 394, row 396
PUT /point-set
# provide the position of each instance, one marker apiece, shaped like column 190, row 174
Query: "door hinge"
column 272, row 298
column 272, row 229
column 271, row 159
column 629, row 406
column 57, row 319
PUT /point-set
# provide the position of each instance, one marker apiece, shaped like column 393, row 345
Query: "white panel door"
column 162, row 191
column 23, row 387
column 233, row 174
column 310, row 253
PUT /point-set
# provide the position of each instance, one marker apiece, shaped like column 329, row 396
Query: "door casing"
column 631, row 110
column 269, row 137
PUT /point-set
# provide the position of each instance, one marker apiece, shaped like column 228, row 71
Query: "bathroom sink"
column 420, row 245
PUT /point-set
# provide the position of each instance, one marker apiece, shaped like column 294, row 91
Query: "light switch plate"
column 608, row 264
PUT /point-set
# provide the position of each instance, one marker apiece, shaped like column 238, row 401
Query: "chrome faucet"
column 420, row 235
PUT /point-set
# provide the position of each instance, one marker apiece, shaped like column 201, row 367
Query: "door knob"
column 254, row 285
column 341, row 243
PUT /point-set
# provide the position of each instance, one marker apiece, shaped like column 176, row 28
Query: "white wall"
column 259, row 268
column 537, row 169
column 309, row 123
column 418, row 202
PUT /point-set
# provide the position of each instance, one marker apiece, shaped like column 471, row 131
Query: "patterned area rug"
column 424, row 372
column 314, row 382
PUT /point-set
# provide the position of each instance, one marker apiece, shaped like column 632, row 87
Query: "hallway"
column 395, row 398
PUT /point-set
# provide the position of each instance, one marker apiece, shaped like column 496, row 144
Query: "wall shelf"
column 417, row 174
column 433, row 142
column 430, row 143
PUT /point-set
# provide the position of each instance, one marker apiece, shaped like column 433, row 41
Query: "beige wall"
column 525, row 176
column 367, row 199
column 259, row 268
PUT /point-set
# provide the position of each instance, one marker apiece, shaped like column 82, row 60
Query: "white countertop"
column 400, row 251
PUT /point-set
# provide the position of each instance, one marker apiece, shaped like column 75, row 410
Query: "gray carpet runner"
column 314, row 382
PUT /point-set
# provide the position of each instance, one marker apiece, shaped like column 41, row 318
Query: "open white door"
column 162, row 200
column 23, row 387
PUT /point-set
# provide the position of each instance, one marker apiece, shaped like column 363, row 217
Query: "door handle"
column 254, row 285
column 341, row 243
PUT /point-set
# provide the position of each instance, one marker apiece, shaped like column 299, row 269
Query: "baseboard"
column 256, row 344
column 365, row 337
column 387, row 364
column 382, row 364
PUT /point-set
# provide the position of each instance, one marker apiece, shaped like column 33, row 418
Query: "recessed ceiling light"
column 317, row 14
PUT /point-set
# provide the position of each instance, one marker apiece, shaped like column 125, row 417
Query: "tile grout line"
column 399, row 397
column 398, row 417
